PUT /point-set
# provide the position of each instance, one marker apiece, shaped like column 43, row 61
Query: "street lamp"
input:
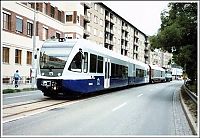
column 174, row 49
column 33, row 71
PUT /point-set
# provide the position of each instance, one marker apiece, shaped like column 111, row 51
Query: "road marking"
column 139, row 95
column 120, row 106
column 18, row 96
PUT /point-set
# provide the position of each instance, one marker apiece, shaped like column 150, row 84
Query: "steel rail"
column 191, row 94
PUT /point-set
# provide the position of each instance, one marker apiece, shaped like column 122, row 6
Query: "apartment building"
column 73, row 20
column 116, row 33
column 53, row 19
column 161, row 58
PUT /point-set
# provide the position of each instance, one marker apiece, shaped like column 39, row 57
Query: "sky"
column 144, row 15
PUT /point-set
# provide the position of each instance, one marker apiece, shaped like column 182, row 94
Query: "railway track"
column 21, row 110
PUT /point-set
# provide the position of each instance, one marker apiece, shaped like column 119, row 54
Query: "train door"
column 107, row 73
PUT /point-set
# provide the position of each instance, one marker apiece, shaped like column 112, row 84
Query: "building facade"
column 73, row 20
column 163, row 59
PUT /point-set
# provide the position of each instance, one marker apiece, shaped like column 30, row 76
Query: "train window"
column 119, row 71
column 100, row 65
column 76, row 63
column 140, row 73
column 113, row 70
column 93, row 63
column 124, row 72
column 85, row 66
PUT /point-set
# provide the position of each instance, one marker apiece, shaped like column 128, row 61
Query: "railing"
column 191, row 94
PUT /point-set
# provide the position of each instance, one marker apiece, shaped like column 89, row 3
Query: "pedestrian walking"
column 16, row 78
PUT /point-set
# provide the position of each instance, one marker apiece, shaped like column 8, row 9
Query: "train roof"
column 106, row 51
column 83, row 43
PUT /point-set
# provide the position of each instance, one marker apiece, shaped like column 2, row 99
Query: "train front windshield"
column 53, row 59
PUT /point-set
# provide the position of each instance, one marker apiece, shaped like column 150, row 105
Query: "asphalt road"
column 145, row 110
column 19, row 97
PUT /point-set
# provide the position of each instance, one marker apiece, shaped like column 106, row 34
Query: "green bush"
column 18, row 90
column 8, row 91
column 11, row 90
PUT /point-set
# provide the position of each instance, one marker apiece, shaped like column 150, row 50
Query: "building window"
column 6, row 21
column 19, row 25
column 95, row 32
column 6, row 54
column 29, row 58
column 88, row 28
column 18, row 55
column 101, row 10
column 126, row 52
column 52, row 11
column 59, row 15
column 95, row 19
column 45, row 33
column 69, row 17
column 101, row 22
column 57, row 35
column 45, row 9
column 29, row 29
column 95, row 7
column 101, row 34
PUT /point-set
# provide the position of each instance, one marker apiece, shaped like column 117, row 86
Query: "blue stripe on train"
column 91, row 85
column 84, row 86
column 136, row 80
column 118, row 82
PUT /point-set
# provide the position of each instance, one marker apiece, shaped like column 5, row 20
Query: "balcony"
column 123, row 46
column 86, row 19
column 107, row 18
column 112, row 20
column 111, row 31
column 86, row 33
column 124, row 27
column 123, row 37
column 111, row 42
column 107, row 41
column 146, row 49
column 146, row 55
column 107, row 29
column 86, row 5
column 135, row 52
column 126, row 47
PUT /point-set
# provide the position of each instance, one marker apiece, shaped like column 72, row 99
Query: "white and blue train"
column 71, row 67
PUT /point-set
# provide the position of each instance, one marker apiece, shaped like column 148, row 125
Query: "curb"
column 188, row 115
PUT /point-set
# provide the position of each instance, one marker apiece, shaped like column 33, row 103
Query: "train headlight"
column 59, row 74
column 54, row 87
column 42, row 73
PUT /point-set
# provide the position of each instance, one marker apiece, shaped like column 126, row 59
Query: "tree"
column 179, row 30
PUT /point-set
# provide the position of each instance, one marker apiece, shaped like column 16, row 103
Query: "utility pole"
column 33, row 70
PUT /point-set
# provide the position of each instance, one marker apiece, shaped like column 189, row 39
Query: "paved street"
column 144, row 110
column 12, row 98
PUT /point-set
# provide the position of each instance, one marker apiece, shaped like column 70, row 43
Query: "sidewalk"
column 21, row 86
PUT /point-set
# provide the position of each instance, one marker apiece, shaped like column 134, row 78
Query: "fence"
column 191, row 94
column 10, row 80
